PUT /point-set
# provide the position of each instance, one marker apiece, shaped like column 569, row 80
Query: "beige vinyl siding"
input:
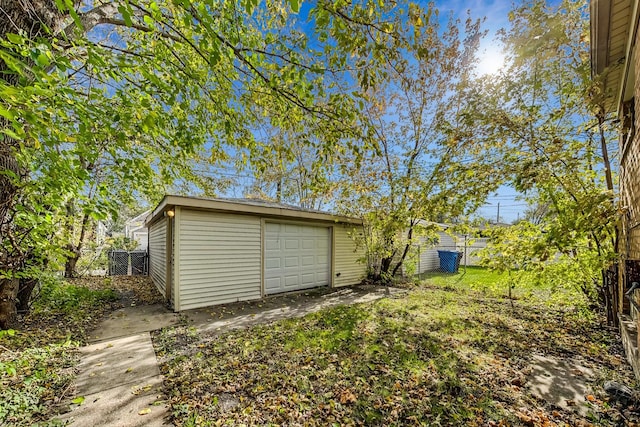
column 471, row 256
column 347, row 268
column 157, row 253
column 219, row 258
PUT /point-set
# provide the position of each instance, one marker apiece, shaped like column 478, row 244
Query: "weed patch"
column 33, row 382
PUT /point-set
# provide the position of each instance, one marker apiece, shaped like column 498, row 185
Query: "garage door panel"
column 291, row 244
column 291, row 261
column 272, row 244
column 292, row 280
column 290, row 228
column 272, row 227
column 303, row 257
column 322, row 244
column 309, row 278
column 273, row 283
column 272, row 263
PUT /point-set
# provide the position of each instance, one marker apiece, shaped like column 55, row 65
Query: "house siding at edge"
column 614, row 57
column 214, row 251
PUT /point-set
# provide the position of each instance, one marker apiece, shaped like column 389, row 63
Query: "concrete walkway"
column 563, row 383
column 118, row 374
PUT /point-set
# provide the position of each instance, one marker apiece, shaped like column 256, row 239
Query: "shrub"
column 57, row 297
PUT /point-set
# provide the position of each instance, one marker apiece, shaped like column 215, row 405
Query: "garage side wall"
column 220, row 258
column 347, row 269
column 157, row 254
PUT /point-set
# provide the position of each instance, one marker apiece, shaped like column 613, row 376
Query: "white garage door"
column 296, row 257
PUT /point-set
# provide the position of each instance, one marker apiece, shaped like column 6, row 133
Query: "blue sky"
column 496, row 16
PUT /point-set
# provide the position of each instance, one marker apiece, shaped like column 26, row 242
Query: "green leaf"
column 74, row 14
column 15, row 38
column 295, row 5
column 149, row 21
column 78, row 400
column 7, row 114
column 60, row 5
column 126, row 15
column 12, row 134
column 42, row 60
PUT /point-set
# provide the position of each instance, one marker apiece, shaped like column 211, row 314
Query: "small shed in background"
column 204, row 252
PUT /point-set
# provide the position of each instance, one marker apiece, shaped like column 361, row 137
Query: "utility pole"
column 498, row 215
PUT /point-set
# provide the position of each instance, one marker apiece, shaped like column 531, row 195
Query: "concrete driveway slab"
column 133, row 320
column 241, row 315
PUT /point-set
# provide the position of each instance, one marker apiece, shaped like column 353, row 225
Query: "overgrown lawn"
column 442, row 355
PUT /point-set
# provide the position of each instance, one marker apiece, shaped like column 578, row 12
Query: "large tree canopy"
column 426, row 164
column 542, row 113
column 139, row 88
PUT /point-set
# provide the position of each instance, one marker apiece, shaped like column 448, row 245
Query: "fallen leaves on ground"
column 133, row 290
column 431, row 358
column 37, row 359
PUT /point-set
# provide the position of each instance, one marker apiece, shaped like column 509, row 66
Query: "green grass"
column 467, row 277
column 524, row 286
column 442, row 355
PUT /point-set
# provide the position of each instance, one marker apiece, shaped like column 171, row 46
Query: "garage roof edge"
column 240, row 207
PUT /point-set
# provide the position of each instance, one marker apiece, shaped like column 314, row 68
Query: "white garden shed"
column 204, row 252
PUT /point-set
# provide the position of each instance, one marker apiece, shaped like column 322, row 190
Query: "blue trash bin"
column 448, row 261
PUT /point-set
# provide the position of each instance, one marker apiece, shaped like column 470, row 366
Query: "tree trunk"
column 385, row 266
column 405, row 252
column 70, row 269
column 24, row 294
column 70, row 265
column 36, row 18
column 8, row 299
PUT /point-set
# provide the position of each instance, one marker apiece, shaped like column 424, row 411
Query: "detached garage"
column 204, row 252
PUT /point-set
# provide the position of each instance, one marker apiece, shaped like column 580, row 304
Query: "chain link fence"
column 123, row 263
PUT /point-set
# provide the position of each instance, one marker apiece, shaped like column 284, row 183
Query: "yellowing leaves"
column 347, row 396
